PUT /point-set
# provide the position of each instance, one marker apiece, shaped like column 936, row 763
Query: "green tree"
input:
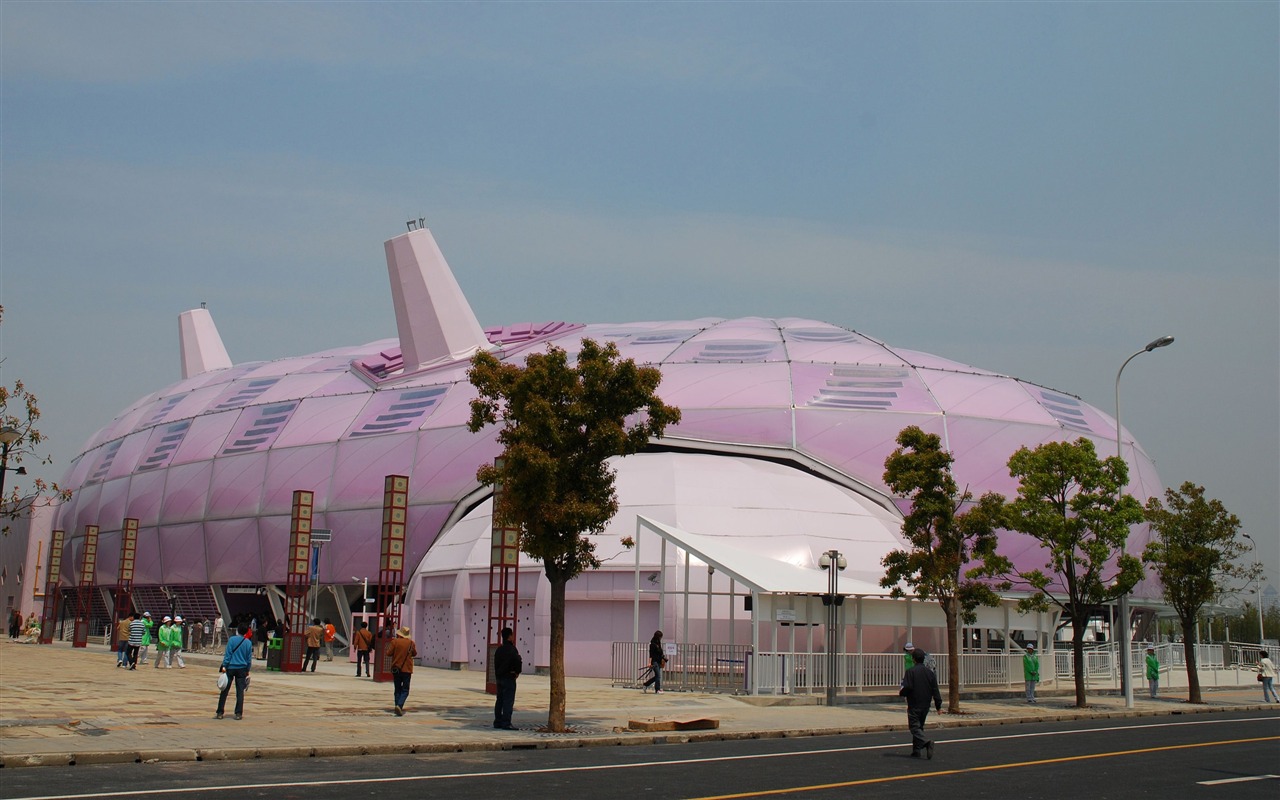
column 1193, row 552
column 1072, row 504
column 943, row 540
column 561, row 422
column 19, row 413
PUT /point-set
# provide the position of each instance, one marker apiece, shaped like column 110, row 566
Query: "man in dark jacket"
column 507, row 665
column 920, row 687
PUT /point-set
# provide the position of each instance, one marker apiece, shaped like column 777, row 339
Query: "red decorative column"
column 124, row 579
column 52, row 587
column 395, row 518
column 504, row 584
column 297, row 583
column 84, row 593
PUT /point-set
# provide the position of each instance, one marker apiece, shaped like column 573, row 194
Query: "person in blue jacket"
column 236, row 662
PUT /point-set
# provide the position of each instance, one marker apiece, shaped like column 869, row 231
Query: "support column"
column 53, row 587
column 84, row 592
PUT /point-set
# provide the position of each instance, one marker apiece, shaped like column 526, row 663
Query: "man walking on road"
column 507, row 666
column 236, row 662
column 401, row 652
column 920, row 687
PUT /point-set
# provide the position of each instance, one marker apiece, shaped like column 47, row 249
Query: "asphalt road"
column 1233, row 756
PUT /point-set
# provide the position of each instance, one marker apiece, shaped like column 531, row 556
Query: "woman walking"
column 1267, row 674
column 657, row 660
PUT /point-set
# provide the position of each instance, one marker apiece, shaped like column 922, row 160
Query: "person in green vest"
column 175, row 643
column 162, row 642
column 1031, row 671
column 907, row 661
column 1153, row 672
column 147, row 623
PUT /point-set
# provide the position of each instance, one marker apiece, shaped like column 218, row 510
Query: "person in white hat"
column 162, row 642
column 401, row 651
column 148, row 623
column 1031, row 671
column 175, row 642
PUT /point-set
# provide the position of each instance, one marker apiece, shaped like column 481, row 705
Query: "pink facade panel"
column 235, row 554
column 770, row 427
column 356, row 545
column 146, row 495
column 236, row 486
column 273, row 541
column 856, row 443
column 113, row 499
column 108, row 569
column 726, row 385
column 186, row 493
column 182, row 553
column 424, row 526
column 205, row 438
column 147, row 565
column 363, row 464
column 321, row 420
column 294, row 469
column 445, row 469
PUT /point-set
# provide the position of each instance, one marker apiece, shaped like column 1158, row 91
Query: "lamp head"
column 1163, row 341
column 9, row 435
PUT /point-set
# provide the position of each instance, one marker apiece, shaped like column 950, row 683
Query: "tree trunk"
column 1077, row 661
column 1189, row 653
column 555, row 714
column 951, row 611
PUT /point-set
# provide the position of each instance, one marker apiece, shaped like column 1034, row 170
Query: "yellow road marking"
column 988, row 768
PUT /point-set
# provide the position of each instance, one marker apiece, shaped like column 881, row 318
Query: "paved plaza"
column 63, row 705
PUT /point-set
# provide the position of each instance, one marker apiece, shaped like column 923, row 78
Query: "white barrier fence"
column 724, row 668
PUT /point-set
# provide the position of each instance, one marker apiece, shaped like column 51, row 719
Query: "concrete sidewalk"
column 60, row 705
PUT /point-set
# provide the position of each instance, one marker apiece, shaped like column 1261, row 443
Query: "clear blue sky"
column 1034, row 188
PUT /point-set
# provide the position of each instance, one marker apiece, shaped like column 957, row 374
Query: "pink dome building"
column 778, row 459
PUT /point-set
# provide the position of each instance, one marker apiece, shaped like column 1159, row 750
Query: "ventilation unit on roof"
column 242, row 393
column 1066, row 410
column 162, row 411
column 871, row 388
column 104, row 466
column 259, row 427
column 663, row 337
column 735, row 351
column 164, row 443
column 398, row 411
column 820, row 335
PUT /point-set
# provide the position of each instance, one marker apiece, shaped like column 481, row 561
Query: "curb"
column 343, row 751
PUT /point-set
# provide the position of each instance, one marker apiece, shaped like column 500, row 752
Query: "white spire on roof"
column 202, row 348
column 433, row 317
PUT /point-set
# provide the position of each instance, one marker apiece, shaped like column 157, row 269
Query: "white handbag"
column 223, row 681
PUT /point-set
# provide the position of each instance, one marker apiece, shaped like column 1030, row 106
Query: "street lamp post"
column 1126, row 680
column 365, row 594
column 1257, row 591
column 833, row 562
column 8, row 436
